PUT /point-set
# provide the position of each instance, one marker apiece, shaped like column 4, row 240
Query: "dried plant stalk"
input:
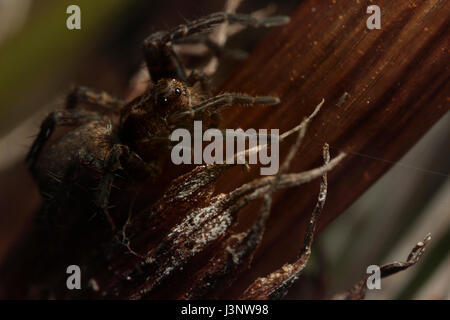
column 276, row 284
column 358, row 291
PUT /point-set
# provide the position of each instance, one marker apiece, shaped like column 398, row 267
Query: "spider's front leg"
column 120, row 158
column 162, row 62
column 215, row 104
column 99, row 100
column 200, row 77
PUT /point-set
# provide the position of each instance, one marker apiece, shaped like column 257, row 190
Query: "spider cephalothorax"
column 147, row 121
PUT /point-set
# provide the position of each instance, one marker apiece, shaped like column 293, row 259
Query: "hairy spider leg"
column 120, row 157
column 161, row 60
column 217, row 103
column 84, row 95
column 197, row 76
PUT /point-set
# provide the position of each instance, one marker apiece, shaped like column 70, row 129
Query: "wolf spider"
column 129, row 138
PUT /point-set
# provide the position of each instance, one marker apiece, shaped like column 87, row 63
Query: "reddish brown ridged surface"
column 398, row 81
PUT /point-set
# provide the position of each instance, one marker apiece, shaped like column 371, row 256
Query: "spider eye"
column 178, row 91
column 163, row 100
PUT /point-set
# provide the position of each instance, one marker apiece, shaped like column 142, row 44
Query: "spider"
column 114, row 137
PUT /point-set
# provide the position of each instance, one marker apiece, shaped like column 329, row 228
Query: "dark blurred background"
column 40, row 60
